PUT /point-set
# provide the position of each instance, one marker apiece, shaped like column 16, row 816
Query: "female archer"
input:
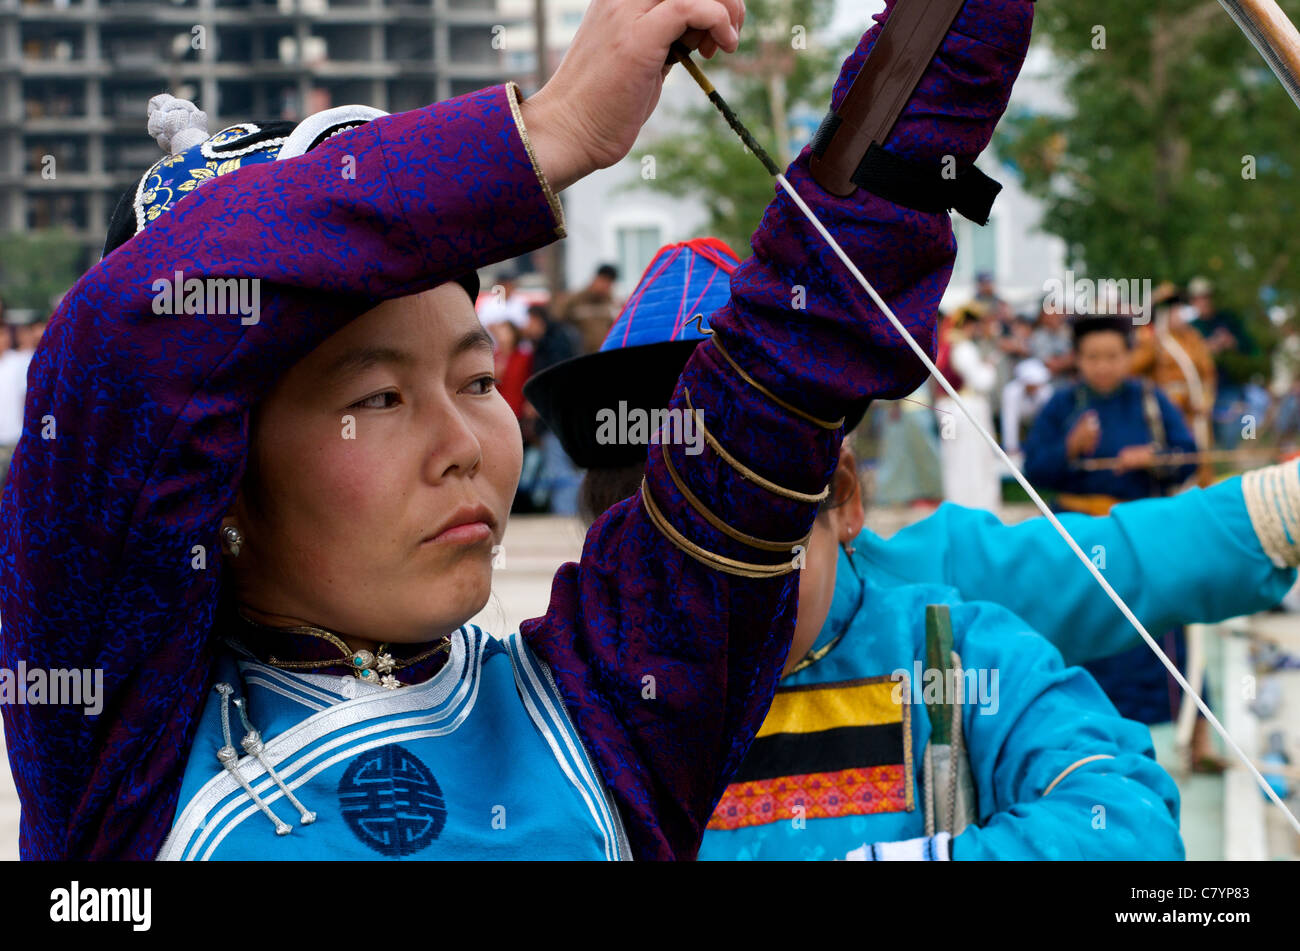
column 314, row 690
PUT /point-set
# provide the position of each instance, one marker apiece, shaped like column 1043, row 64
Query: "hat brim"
column 569, row 395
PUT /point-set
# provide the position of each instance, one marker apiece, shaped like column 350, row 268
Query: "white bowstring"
column 1038, row 501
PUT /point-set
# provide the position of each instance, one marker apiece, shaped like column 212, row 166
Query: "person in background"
column 1236, row 357
column 551, row 342
column 504, row 303
column 591, row 311
column 1007, row 344
column 1022, row 399
column 1175, row 358
column 970, row 470
column 513, row 363
column 1285, row 385
column 1050, row 342
column 908, row 471
column 1108, row 415
column 986, row 292
column 25, row 328
column 556, row 487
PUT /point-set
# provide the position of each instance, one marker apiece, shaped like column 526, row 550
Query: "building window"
column 636, row 246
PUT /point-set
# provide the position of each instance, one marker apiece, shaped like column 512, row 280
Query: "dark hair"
column 540, row 311
column 1083, row 326
column 601, row 489
column 607, row 270
column 251, row 486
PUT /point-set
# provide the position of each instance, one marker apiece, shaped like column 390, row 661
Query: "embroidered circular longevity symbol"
column 391, row 801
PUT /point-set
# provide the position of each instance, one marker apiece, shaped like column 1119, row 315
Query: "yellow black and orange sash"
column 824, row 751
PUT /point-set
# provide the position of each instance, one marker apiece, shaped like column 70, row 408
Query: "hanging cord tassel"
column 252, row 744
column 229, row 758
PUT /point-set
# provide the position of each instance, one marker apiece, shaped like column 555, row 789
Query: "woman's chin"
column 441, row 608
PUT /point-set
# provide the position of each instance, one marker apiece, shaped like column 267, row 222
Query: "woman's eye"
column 379, row 401
column 483, row 385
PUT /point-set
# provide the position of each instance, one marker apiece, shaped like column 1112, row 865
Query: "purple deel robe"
column 136, row 432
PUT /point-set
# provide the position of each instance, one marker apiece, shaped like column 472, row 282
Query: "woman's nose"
column 457, row 449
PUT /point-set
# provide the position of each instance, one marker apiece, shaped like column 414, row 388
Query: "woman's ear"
column 851, row 513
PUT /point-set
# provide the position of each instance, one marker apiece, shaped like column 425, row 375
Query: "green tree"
column 1176, row 157
column 783, row 66
column 36, row 267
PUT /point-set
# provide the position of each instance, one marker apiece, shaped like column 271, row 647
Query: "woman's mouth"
column 469, row 533
column 468, row 525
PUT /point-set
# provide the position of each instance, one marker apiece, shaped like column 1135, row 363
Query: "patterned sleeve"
column 665, row 651
column 136, row 429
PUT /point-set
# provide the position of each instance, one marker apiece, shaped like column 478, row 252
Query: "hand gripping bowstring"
column 1278, row 41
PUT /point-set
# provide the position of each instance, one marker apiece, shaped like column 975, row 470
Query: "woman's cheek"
column 502, row 443
column 351, row 468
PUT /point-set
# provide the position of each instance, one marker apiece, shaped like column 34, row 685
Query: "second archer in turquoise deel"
column 838, row 767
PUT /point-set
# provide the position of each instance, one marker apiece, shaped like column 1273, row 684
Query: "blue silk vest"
column 479, row 762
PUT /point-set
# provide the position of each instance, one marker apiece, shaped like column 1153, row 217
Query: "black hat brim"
column 569, row 395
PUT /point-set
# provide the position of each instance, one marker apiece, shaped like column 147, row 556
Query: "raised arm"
column 666, row 657
column 1152, row 551
column 136, row 432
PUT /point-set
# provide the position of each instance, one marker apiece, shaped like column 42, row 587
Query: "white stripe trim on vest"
column 454, row 688
column 554, row 722
column 274, row 687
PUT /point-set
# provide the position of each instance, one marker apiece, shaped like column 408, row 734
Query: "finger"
column 735, row 12
column 672, row 18
column 692, row 39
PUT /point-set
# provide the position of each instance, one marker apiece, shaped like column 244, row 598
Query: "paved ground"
column 8, row 809
column 535, row 546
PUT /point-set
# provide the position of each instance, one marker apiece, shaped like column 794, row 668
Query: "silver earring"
column 233, row 539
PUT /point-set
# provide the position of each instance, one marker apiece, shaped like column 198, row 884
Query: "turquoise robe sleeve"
column 1189, row 558
column 1060, row 774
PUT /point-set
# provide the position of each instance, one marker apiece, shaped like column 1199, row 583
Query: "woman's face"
column 370, row 452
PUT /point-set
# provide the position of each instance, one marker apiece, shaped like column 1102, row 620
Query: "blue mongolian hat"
column 642, row 355
column 195, row 157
